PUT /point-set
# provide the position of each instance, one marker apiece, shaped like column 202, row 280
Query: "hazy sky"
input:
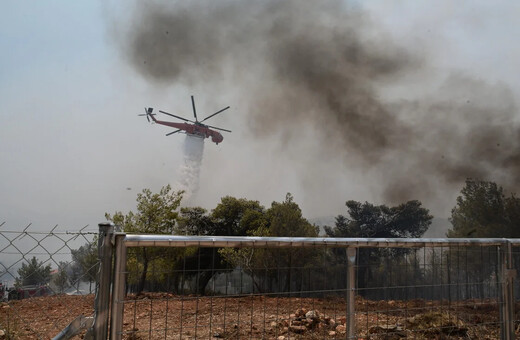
column 71, row 143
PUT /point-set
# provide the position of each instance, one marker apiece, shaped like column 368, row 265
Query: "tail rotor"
column 148, row 113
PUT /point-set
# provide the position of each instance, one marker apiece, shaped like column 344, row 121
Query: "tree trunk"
column 142, row 279
column 288, row 278
column 202, row 281
column 177, row 289
column 257, row 285
column 363, row 273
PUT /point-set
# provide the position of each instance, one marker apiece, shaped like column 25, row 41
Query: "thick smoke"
column 190, row 169
column 323, row 65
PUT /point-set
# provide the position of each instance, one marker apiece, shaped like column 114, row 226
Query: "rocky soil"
column 167, row 316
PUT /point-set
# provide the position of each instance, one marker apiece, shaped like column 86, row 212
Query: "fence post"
column 101, row 304
column 351, row 297
column 118, row 289
column 507, row 275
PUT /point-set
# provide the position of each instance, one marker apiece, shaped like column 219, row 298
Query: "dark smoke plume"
column 323, row 65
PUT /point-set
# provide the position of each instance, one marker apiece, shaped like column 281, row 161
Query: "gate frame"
column 121, row 242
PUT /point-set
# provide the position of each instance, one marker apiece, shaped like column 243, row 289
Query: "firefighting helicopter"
column 196, row 128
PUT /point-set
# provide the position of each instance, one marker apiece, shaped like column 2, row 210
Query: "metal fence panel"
column 285, row 288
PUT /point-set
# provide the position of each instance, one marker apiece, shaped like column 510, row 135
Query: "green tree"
column 86, row 259
column 366, row 220
column 483, row 210
column 196, row 262
column 281, row 219
column 75, row 274
column 286, row 220
column 195, row 221
column 231, row 217
column 61, row 278
column 409, row 219
column 156, row 214
column 33, row 273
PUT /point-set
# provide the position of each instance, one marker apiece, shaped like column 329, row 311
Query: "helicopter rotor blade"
column 194, row 111
column 142, row 114
column 147, row 112
column 178, row 117
column 216, row 113
column 171, row 133
column 217, row 128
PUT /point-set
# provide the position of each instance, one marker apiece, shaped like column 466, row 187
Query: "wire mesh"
column 47, row 279
column 452, row 291
column 430, row 292
column 516, row 287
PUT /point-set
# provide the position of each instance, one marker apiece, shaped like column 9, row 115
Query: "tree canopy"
column 86, row 260
column 408, row 219
column 483, row 210
column 61, row 279
column 156, row 214
column 231, row 217
column 286, row 219
column 270, row 269
column 281, row 219
column 33, row 273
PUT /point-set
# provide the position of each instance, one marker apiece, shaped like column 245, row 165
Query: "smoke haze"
column 327, row 67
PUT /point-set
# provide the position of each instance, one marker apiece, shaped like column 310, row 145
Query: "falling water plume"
column 190, row 169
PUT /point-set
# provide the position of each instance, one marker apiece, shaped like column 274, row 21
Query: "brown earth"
column 168, row 316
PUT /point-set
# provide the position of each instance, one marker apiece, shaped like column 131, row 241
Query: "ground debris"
column 304, row 321
column 170, row 316
column 391, row 332
column 437, row 323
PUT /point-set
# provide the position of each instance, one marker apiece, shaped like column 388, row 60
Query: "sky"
column 73, row 148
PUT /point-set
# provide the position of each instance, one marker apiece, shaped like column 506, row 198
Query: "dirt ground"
column 167, row 316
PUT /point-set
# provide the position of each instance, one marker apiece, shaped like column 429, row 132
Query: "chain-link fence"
column 47, row 279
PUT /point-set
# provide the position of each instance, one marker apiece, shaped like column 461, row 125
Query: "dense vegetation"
column 481, row 210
